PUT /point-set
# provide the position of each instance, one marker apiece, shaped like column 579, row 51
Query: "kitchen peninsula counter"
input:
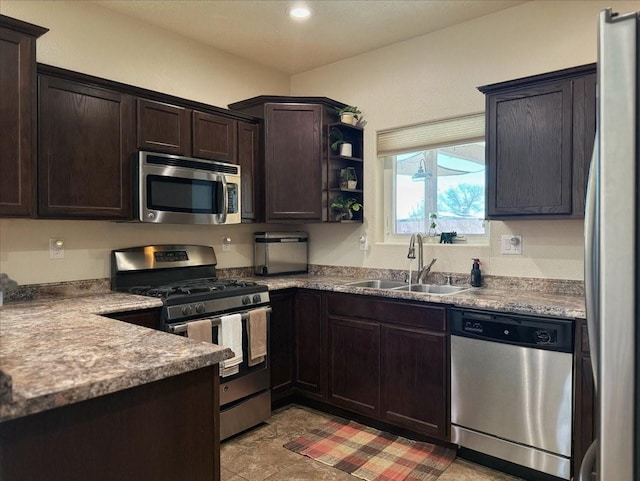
column 61, row 351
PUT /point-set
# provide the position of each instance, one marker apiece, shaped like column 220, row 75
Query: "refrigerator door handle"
column 592, row 259
column 588, row 462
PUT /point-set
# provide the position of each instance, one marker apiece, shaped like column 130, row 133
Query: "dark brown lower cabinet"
column 414, row 379
column 389, row 360
column 145, row 317
column 584, row 423
column 281, row 344
column 309, row 353
column 161, row 431
column 354, row 365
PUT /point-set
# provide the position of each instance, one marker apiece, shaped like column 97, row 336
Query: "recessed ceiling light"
column 299, row 12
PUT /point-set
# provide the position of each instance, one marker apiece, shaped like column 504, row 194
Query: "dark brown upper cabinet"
column 174, row 129
column 163, row 128
column 214, row 137
column 86, row 147
column 250, row 168
column 539, row 135
column 295, row 156
column 18, row 107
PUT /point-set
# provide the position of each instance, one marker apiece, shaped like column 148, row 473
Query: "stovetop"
column 207, row 288
column 184, row 277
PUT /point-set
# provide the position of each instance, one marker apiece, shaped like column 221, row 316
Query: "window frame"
column 413, row 138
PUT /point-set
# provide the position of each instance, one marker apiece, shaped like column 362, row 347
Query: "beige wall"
column 435, row 76
column 91, row 39
column 429, row 77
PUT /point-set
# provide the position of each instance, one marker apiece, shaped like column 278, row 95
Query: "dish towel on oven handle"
column 200, row 330
column 230, row 335
column 257, row 336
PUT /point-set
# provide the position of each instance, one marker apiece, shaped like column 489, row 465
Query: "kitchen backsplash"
column 95, row 286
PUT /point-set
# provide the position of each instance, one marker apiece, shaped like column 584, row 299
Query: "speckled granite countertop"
column 61, row 351
column 520, row 300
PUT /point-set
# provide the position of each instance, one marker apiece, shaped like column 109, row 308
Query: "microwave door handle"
column 225, row 196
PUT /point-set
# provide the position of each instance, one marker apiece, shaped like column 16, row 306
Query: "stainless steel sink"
column 376, row 284
column 432, row 288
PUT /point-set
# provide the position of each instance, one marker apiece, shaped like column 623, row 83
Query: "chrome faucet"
column 422, row 274
column 423, row 271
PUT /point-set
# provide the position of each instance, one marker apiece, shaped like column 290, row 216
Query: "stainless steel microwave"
column 172, row 189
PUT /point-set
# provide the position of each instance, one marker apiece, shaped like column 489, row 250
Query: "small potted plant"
column 340, row 143
column 349, row 114
column 347, row 178
column 345, row 207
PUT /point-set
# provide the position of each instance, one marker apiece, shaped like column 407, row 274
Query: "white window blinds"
column 429, row 135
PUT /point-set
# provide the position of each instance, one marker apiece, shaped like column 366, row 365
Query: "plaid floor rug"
column 373, row 455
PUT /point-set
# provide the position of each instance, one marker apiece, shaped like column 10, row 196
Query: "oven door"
column 181, row 190
column 245, row 397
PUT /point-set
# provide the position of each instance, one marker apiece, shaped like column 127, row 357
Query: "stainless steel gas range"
column 184, row 277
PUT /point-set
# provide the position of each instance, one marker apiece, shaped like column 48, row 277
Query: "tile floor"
column 258, row 455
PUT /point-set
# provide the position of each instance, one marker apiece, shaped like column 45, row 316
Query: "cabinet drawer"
column 418, row 315
column 407, row 313
column 350, row 305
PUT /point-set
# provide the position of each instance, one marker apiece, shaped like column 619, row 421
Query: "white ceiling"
column 260, row 30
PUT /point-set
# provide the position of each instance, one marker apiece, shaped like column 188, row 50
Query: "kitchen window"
column 434, row 178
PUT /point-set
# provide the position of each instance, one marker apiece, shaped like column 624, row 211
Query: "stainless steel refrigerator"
column 612, row 257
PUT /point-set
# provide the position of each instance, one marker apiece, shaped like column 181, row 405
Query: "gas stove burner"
column 191, row 287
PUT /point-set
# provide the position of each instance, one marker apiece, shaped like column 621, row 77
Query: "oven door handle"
column 215, row 321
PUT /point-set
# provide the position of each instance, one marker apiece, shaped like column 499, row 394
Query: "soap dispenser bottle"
column 476, row 276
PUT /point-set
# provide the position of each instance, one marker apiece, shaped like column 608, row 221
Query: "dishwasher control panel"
column 531, row 331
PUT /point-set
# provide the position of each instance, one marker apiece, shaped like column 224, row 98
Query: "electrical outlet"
column 226, row 244
column 511, row 245
column 364, row 243
column 56, row 248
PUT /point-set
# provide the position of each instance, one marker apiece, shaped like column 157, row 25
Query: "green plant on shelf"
column 349, row 114
column 345, row 206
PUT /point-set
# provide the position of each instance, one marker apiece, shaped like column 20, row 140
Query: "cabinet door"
column 584, row 132
column 293, row 166
column 86, row 150
column 146, row 318
column 163, row 128
column 214, row 137
column 248, row 155
column 414, row 380
column 281, row 344
column 529, row 146
column 18, row 119
column 354, row 365
column 584, row 425
column 310, row 358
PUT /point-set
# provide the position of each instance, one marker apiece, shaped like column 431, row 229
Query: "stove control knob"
column 246, row 300
column 200, row 307
column 186, row 310
column 256, row 299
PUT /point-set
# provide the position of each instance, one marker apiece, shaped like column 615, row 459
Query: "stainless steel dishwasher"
column 511, row 388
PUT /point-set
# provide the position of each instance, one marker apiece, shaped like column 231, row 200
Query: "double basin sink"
column 403, row 286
